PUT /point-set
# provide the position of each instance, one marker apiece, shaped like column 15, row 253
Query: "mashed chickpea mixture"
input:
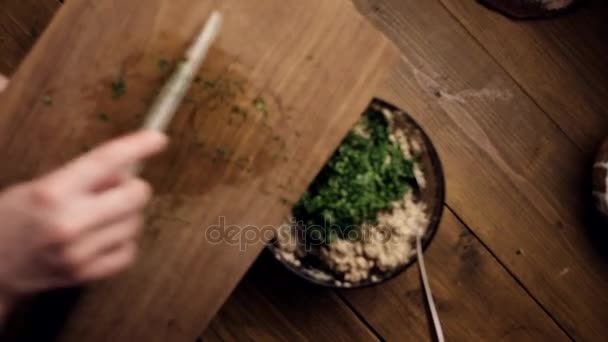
column 381, row 246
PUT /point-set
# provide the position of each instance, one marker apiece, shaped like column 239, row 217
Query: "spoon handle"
column 427, row 291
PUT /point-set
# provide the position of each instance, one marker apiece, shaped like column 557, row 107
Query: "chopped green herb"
column 119, row 87
column 47, row 100
column 259, row 104
column 365, row 175
column 223, row 153
column 103, row 116
column 240, row 111
column 163, row 64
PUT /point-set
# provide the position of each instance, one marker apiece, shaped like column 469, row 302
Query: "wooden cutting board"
column 280, row 89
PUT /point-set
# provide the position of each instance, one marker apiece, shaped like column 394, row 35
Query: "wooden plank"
column 512, row 175
column 273, row 304
column 21, row 22
column 221, row 163
column 477, row 299
column 559, row 62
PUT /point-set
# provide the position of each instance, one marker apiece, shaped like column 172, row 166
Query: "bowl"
column 433, row 194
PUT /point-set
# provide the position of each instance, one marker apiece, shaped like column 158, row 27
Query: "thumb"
column 3, row 83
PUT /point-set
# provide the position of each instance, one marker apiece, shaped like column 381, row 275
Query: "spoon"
column 427, row 290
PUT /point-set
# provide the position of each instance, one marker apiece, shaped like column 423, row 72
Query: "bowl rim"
column 432, row 227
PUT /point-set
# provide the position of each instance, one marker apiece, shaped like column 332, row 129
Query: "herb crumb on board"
column 163, row 64
column 47, row 100
column 260, row 104
column 103, row 116
column 223, row 153
column 119, row 88
column 209, row 84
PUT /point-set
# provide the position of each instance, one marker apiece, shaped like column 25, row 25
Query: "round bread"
column 530, row 8
column 600, row 179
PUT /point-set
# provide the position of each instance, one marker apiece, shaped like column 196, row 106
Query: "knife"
column 172, row 94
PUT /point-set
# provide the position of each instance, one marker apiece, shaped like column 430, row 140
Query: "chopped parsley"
column 47, row 100
column 365, row 175
column 164, row 64
column 240, row 111
column 103, row 116
column 210, row 84
column 119, row 87
column 260, row 104
column 223, row 153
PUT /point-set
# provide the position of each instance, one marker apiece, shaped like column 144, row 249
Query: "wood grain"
column 512, row 174
column 273, row 304
column 223, row 162
column 512, row 185
column 478, row 300
column 558, row 62
column 476, row 297
column 21, row 23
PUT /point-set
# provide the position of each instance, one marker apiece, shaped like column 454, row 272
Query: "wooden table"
column 515, row 110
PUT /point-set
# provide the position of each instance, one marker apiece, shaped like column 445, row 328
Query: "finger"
column 3, row 83
column 108, row 160
column 101, row 240
column 109, row 207
column 110, row 264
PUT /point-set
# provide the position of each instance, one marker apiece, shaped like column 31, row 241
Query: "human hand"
column 3, row 82
column 77, row 224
